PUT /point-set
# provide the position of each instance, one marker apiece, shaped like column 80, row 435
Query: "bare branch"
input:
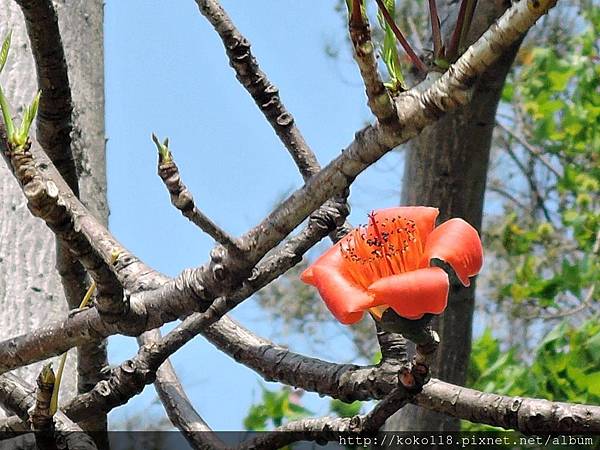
column 312, row 429
column 528, row 415
column 416, row 109
column 328, row 428
column 130, row 377
column 349, row 382
column 264, row 93
column 182, row 199
column 537, row 153
column 180, row 410
column 55, row 108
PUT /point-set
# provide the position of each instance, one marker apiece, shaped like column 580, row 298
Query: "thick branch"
column 528, row 415
column 349, row 382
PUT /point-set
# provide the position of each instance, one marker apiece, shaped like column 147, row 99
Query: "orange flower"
column 386, row 264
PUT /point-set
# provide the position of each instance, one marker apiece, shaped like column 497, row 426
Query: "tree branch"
column 527, row 415
column 55, row 107
column 349, row 382
column 416, row 108
column 177, row 405
column 18, row 397
column 54, row 128
column 130, row 377
column 379, row 100
column 264, row 93
column 182, row 199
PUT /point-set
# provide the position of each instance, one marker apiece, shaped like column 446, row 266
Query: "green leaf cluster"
column 17, row 137
column 274, row 409
column 557, row 93
column 565, row 366
column 389, row 50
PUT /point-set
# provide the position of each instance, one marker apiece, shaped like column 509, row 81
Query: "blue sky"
column 166, row 72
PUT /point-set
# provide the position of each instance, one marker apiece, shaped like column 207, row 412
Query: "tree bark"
column 446, row 167
column 30, row 289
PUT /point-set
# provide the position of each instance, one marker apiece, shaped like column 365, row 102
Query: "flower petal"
column 424, row 217
column 346, row 300
column 457, row 243
column 412, row 294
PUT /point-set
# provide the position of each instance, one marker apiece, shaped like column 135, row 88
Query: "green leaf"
column 4, row 50
column 28, row 116
column 164, row 154
column 343, row 409
column 389, row 51
column 6, row 115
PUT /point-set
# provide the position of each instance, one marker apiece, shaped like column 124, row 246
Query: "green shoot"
column 164, row 154
column 17, row 138
column 4, row 50
column 389, row 51
column 59, row 373
column 6, row 115
column 20, row 138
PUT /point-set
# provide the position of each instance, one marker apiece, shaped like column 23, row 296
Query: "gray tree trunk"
column 446, row 167
column 30, row 290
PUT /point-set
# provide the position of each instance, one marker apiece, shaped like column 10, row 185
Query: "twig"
column 538, row 198
column 329, row 428
column 41, row 413
column 530, row 148
column 587, row 300
column 182, row 199
column 498, row 190
column 403, row 42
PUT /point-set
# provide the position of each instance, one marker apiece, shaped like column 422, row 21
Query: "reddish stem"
column 435, row 30
column 455, row 38
column 471, row 4
column 356, row 14
column 403, row 42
